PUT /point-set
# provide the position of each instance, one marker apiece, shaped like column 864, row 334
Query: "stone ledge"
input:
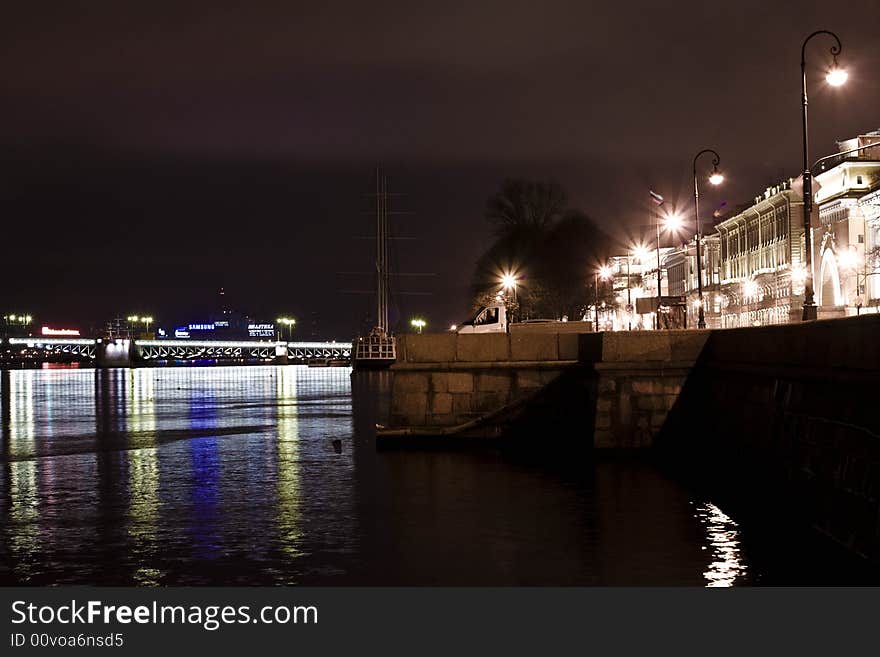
column 484, row 365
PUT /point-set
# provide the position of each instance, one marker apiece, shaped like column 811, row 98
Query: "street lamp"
column 716, row 179
column 836, row 76
column 290, row 322
column 140, row 319
column 672, row 223
column 418, row 323
column 20, row 320
column 640, row 253
column 508, row 282
column 604, row 272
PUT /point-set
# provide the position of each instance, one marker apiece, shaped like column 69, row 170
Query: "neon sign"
column 261, row 330
column 53, row 331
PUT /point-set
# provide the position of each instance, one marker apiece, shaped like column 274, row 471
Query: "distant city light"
column 418, row 323
column 454, row 327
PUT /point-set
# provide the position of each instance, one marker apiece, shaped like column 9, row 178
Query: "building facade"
column 754, row 265
column 761, row 261
column 846, row 239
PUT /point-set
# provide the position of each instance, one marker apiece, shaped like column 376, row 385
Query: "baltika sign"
column 261, row 330
column 59, row 332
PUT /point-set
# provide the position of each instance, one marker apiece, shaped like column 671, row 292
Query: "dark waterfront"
column 230, row 475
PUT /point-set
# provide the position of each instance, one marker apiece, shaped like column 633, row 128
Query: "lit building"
column 754, row 265
column 761, row 261
column 682, row 268
column 634, row 276
column 846, row 240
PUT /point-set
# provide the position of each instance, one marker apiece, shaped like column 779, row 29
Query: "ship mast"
column 383, row 274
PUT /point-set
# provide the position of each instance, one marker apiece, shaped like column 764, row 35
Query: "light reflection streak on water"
column 24, row 539
column 143, row 469
column 723, row 537
column 289, row 493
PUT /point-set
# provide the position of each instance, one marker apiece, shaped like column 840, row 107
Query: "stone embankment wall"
column 619, row 386
column 443, row 380
column 639, row 377
column 785, row 418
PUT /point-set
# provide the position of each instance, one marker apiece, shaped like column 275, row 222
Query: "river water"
column 269, row 475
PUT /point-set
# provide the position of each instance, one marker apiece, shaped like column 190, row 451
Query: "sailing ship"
column 378, row 349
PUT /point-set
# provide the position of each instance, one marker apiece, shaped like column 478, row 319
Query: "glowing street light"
column 716, row 179
column 509, row 281
column 418, row 323
column 146, row 320
column 289, row 322
column 835, row 77
column 640, row 253
column 604, row 272
column 671, row 223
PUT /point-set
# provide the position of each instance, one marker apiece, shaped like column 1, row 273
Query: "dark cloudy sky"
column 152, row 152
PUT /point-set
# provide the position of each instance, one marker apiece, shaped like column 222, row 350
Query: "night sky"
column 151, row 153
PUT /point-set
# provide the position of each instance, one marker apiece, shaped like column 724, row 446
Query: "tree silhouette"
column 551, row 248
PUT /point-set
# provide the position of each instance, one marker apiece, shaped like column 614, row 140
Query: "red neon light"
column 53, row 331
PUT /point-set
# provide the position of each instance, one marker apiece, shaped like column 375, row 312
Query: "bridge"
column 160, row 352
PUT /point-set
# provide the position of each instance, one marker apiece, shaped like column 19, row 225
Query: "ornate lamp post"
column 835, row 77
column 672, row 223
column 716, row 179
column 604, row 272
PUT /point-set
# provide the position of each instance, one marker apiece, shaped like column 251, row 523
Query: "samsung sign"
column 201, row 327
column 261, row 330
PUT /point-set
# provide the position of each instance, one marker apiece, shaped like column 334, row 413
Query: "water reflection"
column 723, row 537
column 23, row 526
column 269, row 475
column 143, row 470
column 289, row 493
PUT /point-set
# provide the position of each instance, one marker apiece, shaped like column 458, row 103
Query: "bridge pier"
column 114, row 353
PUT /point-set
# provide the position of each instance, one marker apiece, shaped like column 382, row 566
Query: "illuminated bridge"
column 49, row 349
column 123, row 352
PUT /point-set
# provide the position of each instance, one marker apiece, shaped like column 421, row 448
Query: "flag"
column 657, row 198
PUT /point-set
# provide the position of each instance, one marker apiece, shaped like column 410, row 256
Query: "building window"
column 861, row 239
column 858, row 180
